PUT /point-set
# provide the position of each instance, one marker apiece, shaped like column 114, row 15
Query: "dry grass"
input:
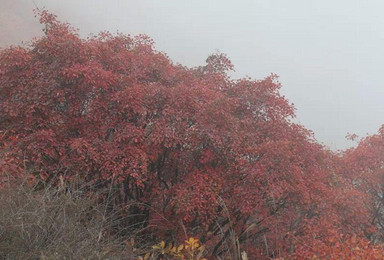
column 61, row 223
column 80, row 221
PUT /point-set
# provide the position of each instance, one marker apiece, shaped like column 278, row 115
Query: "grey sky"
column 329, row 54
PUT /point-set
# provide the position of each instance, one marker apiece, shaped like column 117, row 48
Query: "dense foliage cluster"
column 192, row 152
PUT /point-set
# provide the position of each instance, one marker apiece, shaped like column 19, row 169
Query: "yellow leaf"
column 132, row 242
column 192, row 242
column 147, row 255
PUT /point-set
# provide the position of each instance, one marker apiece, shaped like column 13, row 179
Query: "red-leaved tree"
column 192, row 151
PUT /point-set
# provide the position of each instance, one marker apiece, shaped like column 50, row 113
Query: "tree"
column 191, row 150
column 364, row 167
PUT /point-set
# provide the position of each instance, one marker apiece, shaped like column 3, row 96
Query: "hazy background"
column 329, row 54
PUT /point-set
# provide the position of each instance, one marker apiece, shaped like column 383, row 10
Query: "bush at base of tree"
column 61, row 223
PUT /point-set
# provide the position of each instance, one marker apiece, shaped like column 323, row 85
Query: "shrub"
column 52, row 223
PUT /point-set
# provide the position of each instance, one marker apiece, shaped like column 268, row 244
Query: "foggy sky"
column 329, row 54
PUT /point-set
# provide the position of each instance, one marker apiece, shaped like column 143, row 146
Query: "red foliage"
column 364, row 167
column 199, row 152
column 340, row 247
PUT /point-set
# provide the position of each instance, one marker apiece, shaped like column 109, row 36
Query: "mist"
column 328, row 54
